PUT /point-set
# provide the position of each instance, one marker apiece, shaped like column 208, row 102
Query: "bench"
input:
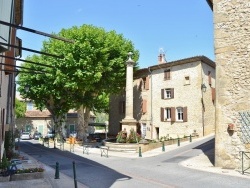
column 104, row 151
column 86, row 149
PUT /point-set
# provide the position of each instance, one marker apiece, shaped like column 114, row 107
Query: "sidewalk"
column 200, row 162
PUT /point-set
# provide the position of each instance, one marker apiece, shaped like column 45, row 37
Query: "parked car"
column 50, row 134
column 73, row 134
column 37, row 135
column 25, row 136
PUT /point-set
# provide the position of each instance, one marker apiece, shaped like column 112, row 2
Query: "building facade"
column 231, row 39
column 42, row 121
column 12, row 13
column 171, row 99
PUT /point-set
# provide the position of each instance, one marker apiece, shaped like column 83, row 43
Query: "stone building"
column 42, row 121
column 11, row 13
column 170, row 99
column 232, row 57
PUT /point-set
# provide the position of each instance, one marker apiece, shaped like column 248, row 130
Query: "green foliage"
column 133, row 137
column 121, row 137
column 101, row 117
column 91, row 69
column 4, row 163
column 20, row 108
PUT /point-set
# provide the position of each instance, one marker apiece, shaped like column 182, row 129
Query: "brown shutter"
column 213, row 94
column 147, row 83
column 172, row 92
column 11, row 53
column 18, row 12
column 162, row 93
column 18, row 51
column 172, row 114
column 185, row 114
column 144, row 106
column 209, row 78
column 162, row 114
column 167, row 74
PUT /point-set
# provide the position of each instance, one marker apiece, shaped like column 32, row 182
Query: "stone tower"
column 232, row 53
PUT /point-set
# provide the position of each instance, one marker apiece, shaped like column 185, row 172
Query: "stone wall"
column 232, row 47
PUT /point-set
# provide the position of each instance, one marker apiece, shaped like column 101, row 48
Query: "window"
column 181, row 114
column 167, row 93
column 29, row 106
column 187, row 80
column 145, row 83
column 168, row 114
column 167, row 74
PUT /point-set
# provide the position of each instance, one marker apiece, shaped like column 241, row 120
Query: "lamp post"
column 203, row 90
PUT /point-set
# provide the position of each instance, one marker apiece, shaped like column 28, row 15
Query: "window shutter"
column 213, row 93
column 9, row 67
column 172, row 114
column 185, row 114
column 167, row 74
column 162, row 93
column 147, row 83
column 209, row 78
column 18, row 51
column 172, row 92
column 162, row 114
column 144, row 106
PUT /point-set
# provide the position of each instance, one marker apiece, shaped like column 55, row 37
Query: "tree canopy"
column 20, row 108
column 91, row 68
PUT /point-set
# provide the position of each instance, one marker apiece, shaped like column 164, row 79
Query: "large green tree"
column 91, row 68
column 20, row 108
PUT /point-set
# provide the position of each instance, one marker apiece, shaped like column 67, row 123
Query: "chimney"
column 161, row 57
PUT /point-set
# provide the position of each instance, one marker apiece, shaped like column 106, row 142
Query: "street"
column 158, row 171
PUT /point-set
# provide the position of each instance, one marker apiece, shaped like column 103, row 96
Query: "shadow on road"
column 88, row 172
column 208, row 149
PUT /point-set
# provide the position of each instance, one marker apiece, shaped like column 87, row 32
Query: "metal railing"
column 247, row 157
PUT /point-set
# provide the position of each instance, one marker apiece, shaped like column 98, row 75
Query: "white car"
column 25, row 136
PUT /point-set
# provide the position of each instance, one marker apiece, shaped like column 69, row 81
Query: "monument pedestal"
column 128, row 124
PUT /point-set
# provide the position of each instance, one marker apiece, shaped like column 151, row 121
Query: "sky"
column 180, row 28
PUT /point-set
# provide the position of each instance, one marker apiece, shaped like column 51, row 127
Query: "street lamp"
column 203, row 87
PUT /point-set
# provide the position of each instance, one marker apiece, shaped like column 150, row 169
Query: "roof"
column 203, row 59
column 210, row 3
column 37, row 113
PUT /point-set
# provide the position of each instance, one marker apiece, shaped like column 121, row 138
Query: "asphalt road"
column 158, row 171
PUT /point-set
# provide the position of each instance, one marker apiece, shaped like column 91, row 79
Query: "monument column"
column 129, row 122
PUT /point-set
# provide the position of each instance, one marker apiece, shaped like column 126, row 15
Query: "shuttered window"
column 10, row 63
column 181, row 114
column 167, row 74
column 167, row 93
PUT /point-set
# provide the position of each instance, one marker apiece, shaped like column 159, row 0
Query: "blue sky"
column 181, row 28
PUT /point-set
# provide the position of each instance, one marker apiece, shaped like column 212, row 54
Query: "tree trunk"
column 83, row 120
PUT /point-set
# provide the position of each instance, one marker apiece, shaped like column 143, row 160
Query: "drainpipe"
column 202, row 102
column 151, row 103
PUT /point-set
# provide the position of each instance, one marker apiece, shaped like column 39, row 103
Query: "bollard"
column 140, row 152
column 74, row 172
column 163, row 146
column 178, row 141
column 57, row 171
column 190, row 139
